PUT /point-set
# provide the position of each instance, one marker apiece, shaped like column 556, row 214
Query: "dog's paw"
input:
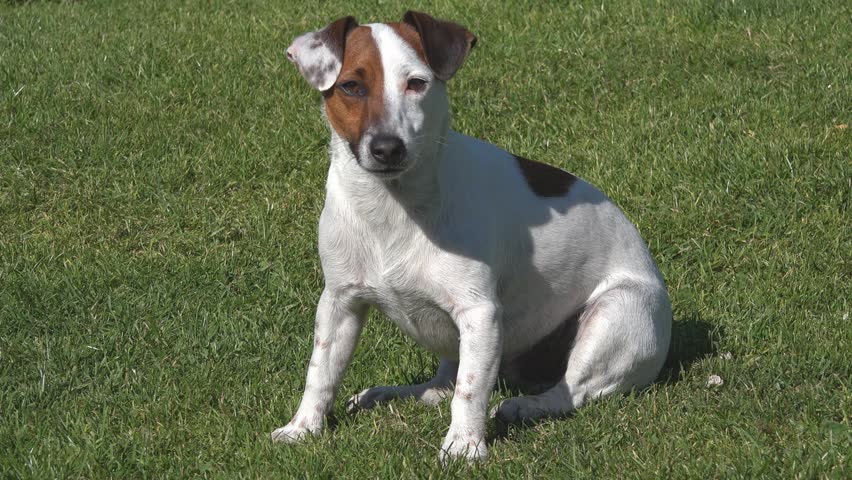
column 518, row 409
column 371, row 397
column 293, row 433
column 460, row 447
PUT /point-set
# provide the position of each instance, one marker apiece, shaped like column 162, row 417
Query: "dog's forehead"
column 409, row 38
column 395, row 43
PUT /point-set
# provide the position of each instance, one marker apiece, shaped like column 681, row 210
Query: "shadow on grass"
column 693, row 340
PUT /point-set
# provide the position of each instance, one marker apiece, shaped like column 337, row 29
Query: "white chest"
column 419, row 317
column 412, row 294
column 399, row 272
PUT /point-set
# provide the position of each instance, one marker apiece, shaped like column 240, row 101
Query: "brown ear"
column 446, row 44
column 319, row 55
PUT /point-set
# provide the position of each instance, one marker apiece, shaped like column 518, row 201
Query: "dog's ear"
column 446, row 44
column 319, row 55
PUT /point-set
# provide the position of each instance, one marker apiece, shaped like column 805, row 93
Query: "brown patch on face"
column 545, row 180
column 408, row 34
column 350, row 116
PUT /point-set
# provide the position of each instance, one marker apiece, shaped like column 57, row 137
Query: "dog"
column 495, row 263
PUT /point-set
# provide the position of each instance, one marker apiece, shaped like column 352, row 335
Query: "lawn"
column 162, row 171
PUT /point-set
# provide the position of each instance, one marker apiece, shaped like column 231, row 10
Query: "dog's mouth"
column 385, row 172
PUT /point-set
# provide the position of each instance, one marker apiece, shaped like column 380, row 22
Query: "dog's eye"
column 416, row 84
column 352, row 88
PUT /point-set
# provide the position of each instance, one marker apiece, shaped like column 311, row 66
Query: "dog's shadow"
column 693, row 340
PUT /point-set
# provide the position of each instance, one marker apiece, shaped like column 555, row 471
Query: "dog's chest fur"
column 399, row 270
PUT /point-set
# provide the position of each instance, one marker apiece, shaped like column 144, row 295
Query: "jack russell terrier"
column 496, row 263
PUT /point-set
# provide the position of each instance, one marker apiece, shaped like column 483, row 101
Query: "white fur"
column 461, row 254
column 406, row 112
column 315, row 60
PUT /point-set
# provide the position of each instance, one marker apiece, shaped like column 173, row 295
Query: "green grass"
column 162, row 171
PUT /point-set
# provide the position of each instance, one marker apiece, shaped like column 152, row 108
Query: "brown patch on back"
column 351, row 116
column 545, row 180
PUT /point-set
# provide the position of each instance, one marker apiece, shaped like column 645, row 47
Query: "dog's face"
column 384, row 84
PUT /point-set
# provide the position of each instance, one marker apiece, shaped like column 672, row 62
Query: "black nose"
column 387, row 149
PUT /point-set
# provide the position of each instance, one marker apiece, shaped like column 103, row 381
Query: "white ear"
column 319, row 55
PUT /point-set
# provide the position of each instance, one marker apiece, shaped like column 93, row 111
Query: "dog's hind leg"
column 621, row 343
column 430, row 393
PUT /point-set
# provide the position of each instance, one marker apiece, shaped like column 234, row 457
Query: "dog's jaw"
column 410, row 189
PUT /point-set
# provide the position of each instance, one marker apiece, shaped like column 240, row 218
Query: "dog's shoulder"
column 503, row 173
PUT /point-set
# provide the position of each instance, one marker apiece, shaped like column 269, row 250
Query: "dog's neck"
column 413, row 196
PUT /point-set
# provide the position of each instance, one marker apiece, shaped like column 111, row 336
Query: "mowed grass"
column 162, row 171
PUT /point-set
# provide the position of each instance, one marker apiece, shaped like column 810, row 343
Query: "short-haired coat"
column 495, row 263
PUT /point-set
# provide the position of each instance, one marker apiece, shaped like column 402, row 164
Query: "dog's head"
column 384, row 84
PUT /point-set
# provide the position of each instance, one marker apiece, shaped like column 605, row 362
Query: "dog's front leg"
column 338, row 325
column 480, row 345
